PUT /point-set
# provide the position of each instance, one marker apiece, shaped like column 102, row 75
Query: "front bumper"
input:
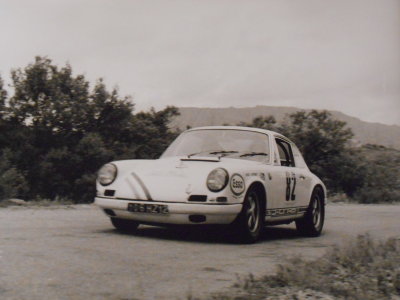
column 178, row 212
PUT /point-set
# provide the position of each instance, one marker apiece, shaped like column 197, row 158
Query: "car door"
column 285, row 182
column 288, row 170
column 304, row 180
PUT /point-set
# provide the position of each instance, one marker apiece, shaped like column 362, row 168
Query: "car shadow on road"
column 207, row 234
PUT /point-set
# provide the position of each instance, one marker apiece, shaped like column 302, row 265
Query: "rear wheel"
column 124, row 225
column 313, row 221
column 249, row 224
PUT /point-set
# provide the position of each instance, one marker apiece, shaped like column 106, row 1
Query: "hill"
column 365, row 132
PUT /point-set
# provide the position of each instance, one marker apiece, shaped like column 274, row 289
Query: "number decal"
column 294, row 186
column 287, row 186
column 290, row 195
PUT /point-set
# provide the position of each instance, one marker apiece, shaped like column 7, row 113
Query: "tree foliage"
column 3, row 97
column 325, row 144
column 263, row 122
column 381, row 177
column 56, row 132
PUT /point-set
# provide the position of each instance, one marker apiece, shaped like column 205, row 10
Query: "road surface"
column 74, row 253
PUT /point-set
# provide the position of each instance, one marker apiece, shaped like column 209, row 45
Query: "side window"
column 285, row 153
column 298, row 158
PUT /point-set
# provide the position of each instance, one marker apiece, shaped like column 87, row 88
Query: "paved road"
column 74, row 253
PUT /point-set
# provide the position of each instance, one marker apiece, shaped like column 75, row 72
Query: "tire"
column 250, row 222
column 313, row 221
column 124, row 225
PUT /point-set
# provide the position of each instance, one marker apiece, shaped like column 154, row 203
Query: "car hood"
column 171, row 179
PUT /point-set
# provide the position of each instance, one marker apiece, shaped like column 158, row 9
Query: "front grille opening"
column 109, row 193
column 197, row 218
column 222, row 199
column 198, row 198
column 109, row 212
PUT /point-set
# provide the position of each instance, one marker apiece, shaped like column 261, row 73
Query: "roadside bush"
column 361, row 269
column 12, row 182
column 381, row 176
column 370, row 195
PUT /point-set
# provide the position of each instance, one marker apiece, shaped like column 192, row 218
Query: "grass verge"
column 361, row 269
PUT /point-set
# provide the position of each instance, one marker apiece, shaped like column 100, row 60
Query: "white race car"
column 245, row 177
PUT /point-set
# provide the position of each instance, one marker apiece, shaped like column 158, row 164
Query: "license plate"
column 158, row 209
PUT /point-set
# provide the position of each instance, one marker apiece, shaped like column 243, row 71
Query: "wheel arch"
column 316, row 182
column 321, row 189
column 261, row 189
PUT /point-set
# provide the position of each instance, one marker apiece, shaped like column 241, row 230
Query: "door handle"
column 302, row 177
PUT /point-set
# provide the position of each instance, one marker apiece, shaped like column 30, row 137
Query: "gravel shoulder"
column 73, row 252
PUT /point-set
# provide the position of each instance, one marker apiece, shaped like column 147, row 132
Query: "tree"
column 12, row 181
column 263, row 122
column 109, row 114
column 317, row 134
column 381, row 175
column 3, row 98
column 49, row 98
column 60, row 132
column 154, row 132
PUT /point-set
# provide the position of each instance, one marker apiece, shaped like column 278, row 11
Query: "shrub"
column 12, row 181
column 381, row 175
column 362, row 269
column 12, row 184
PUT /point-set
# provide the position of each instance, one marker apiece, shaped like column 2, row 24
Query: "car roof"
column 237, row 128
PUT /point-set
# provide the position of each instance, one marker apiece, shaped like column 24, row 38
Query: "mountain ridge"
column 364, row 132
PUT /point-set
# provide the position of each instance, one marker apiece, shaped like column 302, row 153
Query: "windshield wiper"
column 254, row 154
column 223, row 152
column 196, row 153
column 213, row 152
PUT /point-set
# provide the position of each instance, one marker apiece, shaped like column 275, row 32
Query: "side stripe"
column 132, row 188
column 144, row 188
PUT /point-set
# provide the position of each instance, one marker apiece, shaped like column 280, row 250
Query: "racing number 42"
column 290, row 186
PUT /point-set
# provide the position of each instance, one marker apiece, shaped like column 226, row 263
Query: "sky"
column 339, row 55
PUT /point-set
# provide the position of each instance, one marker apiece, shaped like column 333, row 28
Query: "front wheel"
column 124, row 225
column 249, row 224
column 313, row 221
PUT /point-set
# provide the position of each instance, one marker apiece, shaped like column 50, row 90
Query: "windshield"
column 240, row 144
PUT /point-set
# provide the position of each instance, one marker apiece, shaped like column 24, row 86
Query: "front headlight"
column 217, row 180
column 107, row 174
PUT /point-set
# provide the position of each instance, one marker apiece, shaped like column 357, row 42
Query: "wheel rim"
column 316, row 212
column 253, row 212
